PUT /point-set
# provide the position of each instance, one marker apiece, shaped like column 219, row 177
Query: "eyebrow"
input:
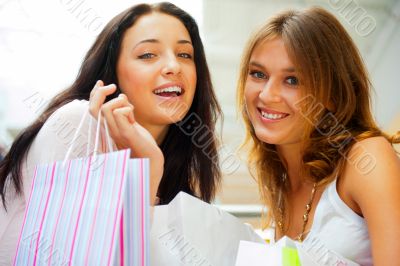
column 256, row 64
column 157, row 41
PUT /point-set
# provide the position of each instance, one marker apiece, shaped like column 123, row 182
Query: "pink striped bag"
column 87, row 211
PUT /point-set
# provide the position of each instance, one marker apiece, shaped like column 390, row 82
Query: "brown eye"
column 146, row 56
column 185, row 55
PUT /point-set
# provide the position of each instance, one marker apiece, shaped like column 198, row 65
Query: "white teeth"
column 176, row 89
column 272, row 116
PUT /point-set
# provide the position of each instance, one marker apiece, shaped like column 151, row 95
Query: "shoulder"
column 58, row 130
column 372, row 169
column 75, row 106
column 65, row 117
column 372, row 156
column 374, row 186
column 72, row 111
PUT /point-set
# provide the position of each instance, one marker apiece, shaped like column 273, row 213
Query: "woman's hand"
column 126, row 132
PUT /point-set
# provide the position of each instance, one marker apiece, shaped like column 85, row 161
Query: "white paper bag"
column 256, row 254
column 189, row 231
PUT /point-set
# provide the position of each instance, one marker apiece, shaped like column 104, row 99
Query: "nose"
column 171, row 65
column 271, row 91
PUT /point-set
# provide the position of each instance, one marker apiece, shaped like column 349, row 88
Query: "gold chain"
column 300, row 237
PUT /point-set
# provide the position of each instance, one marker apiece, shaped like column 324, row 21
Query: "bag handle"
column 110, row 148
column 108, row 138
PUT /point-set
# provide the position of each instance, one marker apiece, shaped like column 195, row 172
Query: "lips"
column 272, row 115
column 169, row 90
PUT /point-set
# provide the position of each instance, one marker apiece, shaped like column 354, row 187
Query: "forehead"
column 157, row 26
column 271, row 52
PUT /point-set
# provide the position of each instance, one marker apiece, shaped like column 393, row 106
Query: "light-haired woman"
column 328, row 175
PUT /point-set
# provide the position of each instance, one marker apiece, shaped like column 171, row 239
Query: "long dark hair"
column 188, row 167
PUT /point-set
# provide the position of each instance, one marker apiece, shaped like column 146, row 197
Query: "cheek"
column 131, row 79
column 293, row 99
column 299, row 119
column 191, row 75
column 131, row 69
column 132, row 85
column 249, row 104
column 191, row 79
column 250, row 95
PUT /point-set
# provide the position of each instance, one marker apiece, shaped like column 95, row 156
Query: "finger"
column 99, row 96
column 131, row 116
column 98, row 84
column 118, row 102
column 107, row 111
column 123, row 116
column 110, row 106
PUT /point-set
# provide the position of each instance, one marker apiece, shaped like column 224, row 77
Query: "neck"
column 158, row 132
column 292, row 155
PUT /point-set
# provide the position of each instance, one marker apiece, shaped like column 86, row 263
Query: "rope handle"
column 78, row 130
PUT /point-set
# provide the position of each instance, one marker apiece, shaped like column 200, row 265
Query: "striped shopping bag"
column 85, row 215
column 87, row 211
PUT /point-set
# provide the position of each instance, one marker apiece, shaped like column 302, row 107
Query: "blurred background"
column 42, row 44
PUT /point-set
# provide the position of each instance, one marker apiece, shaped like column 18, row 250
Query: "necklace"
column 300, row 237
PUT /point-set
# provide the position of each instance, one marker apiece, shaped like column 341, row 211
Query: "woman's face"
column 156, row 69
column 271, row 94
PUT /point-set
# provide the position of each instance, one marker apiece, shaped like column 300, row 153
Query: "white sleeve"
column 55, row 138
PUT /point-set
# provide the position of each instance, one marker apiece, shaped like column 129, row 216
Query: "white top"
column 338, row 229
column 51, row 144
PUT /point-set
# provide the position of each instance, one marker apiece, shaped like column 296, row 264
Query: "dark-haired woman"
column 148, row 74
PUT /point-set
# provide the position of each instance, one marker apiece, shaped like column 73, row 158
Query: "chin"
column 175, row 115
column 167, row 118
column 175, row 112
column 267, row 138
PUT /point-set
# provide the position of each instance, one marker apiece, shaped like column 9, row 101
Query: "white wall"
column 42, row 44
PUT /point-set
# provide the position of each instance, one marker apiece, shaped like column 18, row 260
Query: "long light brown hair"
column 336, row 101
